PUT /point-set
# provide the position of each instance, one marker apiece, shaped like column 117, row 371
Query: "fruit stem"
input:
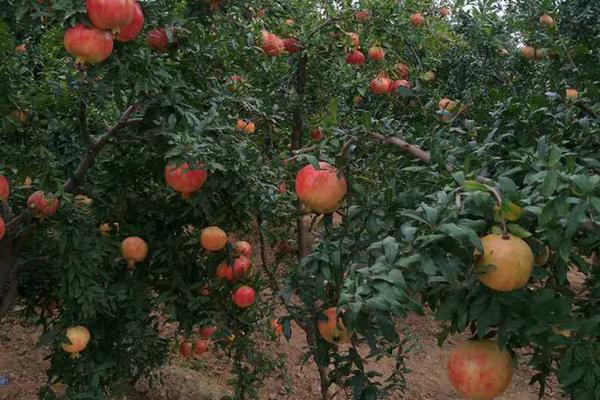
column 494, row 192
column 131, row 264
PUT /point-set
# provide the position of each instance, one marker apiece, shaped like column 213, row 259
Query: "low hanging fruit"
column 316, row 134
column 528, row 52
column 506, row 263
column 479, row 370
column 245, row 126
column 186, row 349
column 429, row 76
column 241, row 267
column 547, row 21
column 572, row 94
column 134, row 250
column 158, row 39
column 133, row 29
column 207, row 331
column 276, row 326
column 447, row 104
column 355, row 57
column 184, row 179
column 401, row 83
column 242, row 248
column 213, row 238
column 444, row 11
column 244, row 297
column 292, row 45
column 376, row 53
column 321, row 190
column 354, row 39
column 362, row 16
column 402, row 70
column 4, row 188
column 272, row 44
column 21, row 115
column 200, row 347
column 88, row 45
column 381, row 85
column 110, row 14
column 416, row 20
column 40, row 206
column 332, row 328
column 224, row 272
column 79, row 337
column 2, row 228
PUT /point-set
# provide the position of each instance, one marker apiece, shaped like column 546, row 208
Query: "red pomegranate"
column 224, row 272
column 40, row 206
column 88, row 45
column 354, row 38
column 241, row 267
column 242, row 248
column 402, row 70
column 292, row 45
column 316, row 134
column 444, row 12
column 200, row 347
column 2, row 228
column 362, row 16
column 376, row 53
column 355, row 57
column 133, row 29
column 110, row 14
column 282, row 188
column 272, row 44
column 185, row 180
column 185, row 349
column 244, row 297
column 401, row 82
column 4, row 188
column 207, row 331
column 381, row 85
column 321, row 190
column 416, row 20
column 158, row 39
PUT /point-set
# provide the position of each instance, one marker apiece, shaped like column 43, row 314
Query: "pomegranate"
column 204, row 291
column 320, row 190
column 21, row 48
column 357, row 101
column 133, row 29
column 40, row 206
column 224, row 272
column 79, row 337
column 506, row 263
column 242, row 248
column 429, row 76
column 479, row 370
column 316, row 134
column 276, row 326
column 110, row 14
column 332, row 328
column 245, row 126
column 381, row 85
column 292, row 45
column 20, row 115
column 88, row 45
column 272, row 44
column 547, row 21
column 447, row 104
column 244, row 297
column 213, row 4
column 2, row 228
column 376, row 53
column 134, row 250
column 355, row 57
column 354, row 39
column 158, row 39
column 234, row 82
column 207, row 331
column 213, row 238
column 399, row 83
column 362, row 16
column 572, row 94
column 402, row 70
column 185, row 349
column 200, row 347
column 416, row 20
column 527, row 52
column 184, row 179
column 241, row 267
column 282, row 188
column 4, row 188
column 289, row 22
column 444, row 11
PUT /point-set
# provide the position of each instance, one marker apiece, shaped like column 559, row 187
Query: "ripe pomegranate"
column 272, row 44
column 357, row 100
column 321, row 190
column 276, row 326
column 355, row 57
column 2, row 228
column 158, row 39
column 242, row 248
column 224, row 272
column 207, row 331
column 572, row 94
column 547, row 21
column 241, row 267
column 399, row 83
column 110, row 14
column 213, row 238
column 332, row 329
column 20, row 115
column 200, row 347
column 185, row 180
column 416, row 20
column 362, row 16
column 430, row 76
column 282, row 188
column 185, row 349
column 4, row 188
column 381, row 85
column 21, row 48
column 506, row 263
column 134, row 250
column 79, row 337
column 354, row 39
column 444, row 12
column 88, row 45
column 316, row 134
column 292, row 45
column 245, row 126
column 479, row 370
column 527, row 52
column 447, row 104
column 133, row 29
column 40, row 206
column 244, row 297
column 402, row 70
column 376, row 53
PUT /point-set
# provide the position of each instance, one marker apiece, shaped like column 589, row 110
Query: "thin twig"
column 408, row 148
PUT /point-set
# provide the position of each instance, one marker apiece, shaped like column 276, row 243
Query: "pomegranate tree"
column 185, row 179
column 110, row 14
column 321, row 190
column 88, row 45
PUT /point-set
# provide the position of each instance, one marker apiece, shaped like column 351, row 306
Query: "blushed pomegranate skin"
column 416, row 20
column 224, row 272
column 244, row 297
column 479, row 370
column 200, row 347
column 292, row 45
column 401, row 82
column 242, row 248
column 40, row 206
column 185, row 349
column 332, row 329
column 88, row 45
column 4, row 188
column 79, row 337
column 272, row 44
column 354, row 39
column 2, row 228
column 207, row 331
column 158, row 40
column 213, row 238
column 376, row 53
column 110, row 14
column 381, row 85
column 355, row 57
column 402, row 70
column 132, row 29
column 241, row 267
column 320, row 190
column 362, row 16
column 185, row 180
column 134, row 250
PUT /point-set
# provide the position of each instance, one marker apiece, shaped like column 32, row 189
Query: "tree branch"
column 587, row 109
column 83, row 123
column 406, row 147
